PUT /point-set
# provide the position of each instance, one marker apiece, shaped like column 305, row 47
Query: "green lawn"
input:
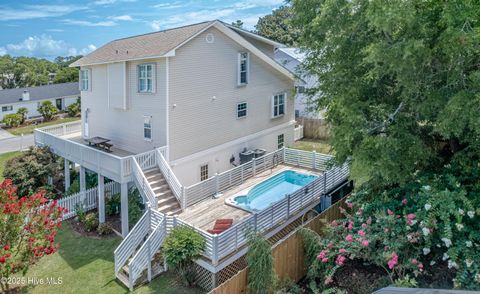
column 86, row 266
column 319, row 146
column 29, row 129
column 3, row 158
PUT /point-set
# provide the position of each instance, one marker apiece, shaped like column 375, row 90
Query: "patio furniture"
column 221, row 225
column 100, row 142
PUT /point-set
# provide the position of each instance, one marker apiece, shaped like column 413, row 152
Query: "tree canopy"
column 400, row 82
column 278, row 27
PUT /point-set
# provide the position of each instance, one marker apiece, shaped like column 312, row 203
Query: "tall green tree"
column 400, row 81
column 238, row 23
column 278, row 26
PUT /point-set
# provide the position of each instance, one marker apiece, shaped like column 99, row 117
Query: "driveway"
column 16, row 143
column 5, row 135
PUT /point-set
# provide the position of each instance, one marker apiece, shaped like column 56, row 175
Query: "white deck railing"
column 298, row 133
column 112, row 166
column 142, row 184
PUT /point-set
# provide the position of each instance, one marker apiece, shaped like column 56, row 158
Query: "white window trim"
column 151, row 128
column 246, row 110
column 272, row 109
column 208, row 171
column 7, row 106
column 154, row 78
column 283, row 141
column 247, row 69
column 89, row 80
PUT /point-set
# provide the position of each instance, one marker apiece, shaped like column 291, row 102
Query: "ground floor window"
column 241, row 109
column 204, row 172
column 280, row 141
column 7, row 108
column 147, row 128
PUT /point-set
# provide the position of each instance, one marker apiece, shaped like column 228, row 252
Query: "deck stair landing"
column 166, row 201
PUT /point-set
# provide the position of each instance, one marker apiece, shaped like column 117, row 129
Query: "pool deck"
column 204, row 214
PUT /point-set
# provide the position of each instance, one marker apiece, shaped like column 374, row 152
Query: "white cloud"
column 109, row 2
column 37, row 11
column 43, row 46
column 171, row 5
column 122, row 17
column 86, row 23
column 191, row 17
column 55, row 30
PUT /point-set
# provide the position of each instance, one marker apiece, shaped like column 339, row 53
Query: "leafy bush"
column 81, row 214
column 261, row 276
column 112, row 205
column 91, row 221
column 91, row 181
column 135, row 206
column 47, row 110
column 181, row 248
column 12, row 120
column 74, row 109
column 105, row 229
column 23, row 111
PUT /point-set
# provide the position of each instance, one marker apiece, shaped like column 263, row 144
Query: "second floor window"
column 145, row 78
column 84, row 80
column 278, row 105
column 243, row 65
column 147, row 128
column 242, row 110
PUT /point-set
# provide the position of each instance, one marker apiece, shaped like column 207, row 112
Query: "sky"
column 51, row 28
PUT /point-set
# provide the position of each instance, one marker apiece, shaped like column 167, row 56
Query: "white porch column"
column 66, row 164
column 124, row 208
column 101, row 199
column 83, row 185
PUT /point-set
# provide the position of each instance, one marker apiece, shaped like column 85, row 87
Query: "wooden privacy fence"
column 314, row 128
column 288, row 255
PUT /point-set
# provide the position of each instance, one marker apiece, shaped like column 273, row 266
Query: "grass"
column 85, row 265
column 320, row 146
column 29, row 128
column 3, row 158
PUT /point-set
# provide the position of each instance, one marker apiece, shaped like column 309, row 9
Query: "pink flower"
column 334, row 223
column 322, row 254
column 324, row 260
column 411, row 216
column 389, row 212
column 414, row 261
column 328, row 280
column 369, row 220
column 404, row 201
column 359, row 211
column 361, row 233
column 349, row 238
column 385, row 248
column 364, row 226
column 393, row 260
column 420, row 266
column 330, row 245
column 365, row 243
column 340, row 260
column 349, row 204
column 386, row 230
column 342, row 250
column 350, row 225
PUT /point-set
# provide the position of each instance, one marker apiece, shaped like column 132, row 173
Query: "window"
column 280, row 141
column 145, row 78
column 243, row 68
column 278, row 105
column 84, row 80
column 300, row 89
column 147, row 128
column 204, row 172
column 7, row 108
column 242, row 110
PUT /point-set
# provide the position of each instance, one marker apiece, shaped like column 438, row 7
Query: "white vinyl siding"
column 7, row 108
column 84, row 80
column 278, row 105
column 146, row 78
column 280, row 141
column 242, row 110
column 243, row 67
column 204, row 172
column 147, row 128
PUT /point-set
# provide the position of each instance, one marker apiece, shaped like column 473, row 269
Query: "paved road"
column 5, row 135
column 16, row 143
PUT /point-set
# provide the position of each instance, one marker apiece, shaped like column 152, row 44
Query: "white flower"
column 445, row 256
column 428, row 206
column 452, row 264
column 432, row 262
column 469, row 243
column 461, row 211
column 469, row 262
column 427, row 188
column 471, row 213
column 426, row 231
column 459, row 227
column 447, row 242
column 426, row 251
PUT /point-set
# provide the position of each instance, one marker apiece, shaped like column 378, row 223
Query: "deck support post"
column 83, row 185
column 124, row 208
column 254, row 167
column 66, row 166
column 314, row 159
column 101, row 199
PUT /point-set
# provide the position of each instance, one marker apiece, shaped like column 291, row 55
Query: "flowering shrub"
column 28, row 226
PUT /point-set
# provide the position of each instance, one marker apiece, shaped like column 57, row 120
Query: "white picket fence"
column 87, row 199
column 298, row 133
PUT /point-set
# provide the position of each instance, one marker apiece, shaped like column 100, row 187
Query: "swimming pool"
column 271, row 190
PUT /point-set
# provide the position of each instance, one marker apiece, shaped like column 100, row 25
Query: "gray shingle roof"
column 143, row 46
column 8, row 96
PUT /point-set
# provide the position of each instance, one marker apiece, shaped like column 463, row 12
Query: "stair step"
column 164, row 194
column 154, row 177
column 160, row 188
column 157, row 183
column 151, row 172
column 166, row 201
column 169, row 207
column 123, row 278
column 174, row 212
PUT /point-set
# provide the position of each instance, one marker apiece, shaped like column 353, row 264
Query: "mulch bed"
column 80, row 230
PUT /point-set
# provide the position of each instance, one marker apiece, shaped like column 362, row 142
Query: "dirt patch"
column 79, row 229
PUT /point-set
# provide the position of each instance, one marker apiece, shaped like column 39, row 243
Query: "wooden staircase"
column 167, row 203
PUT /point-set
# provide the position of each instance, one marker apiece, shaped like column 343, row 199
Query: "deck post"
column 83, row 185
column 101, row 198
column 66, row 166
column 288, row 206
column 314, row 159
column 124, row 208
column 217, row 184
column 253, row 167
column 215, row 249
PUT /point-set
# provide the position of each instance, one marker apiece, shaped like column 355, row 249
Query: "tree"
column 23, row 111
column 261, row 276
column 74, row 108
column 66, row 75
column 29, row 171
column 400, row 82
column 278, row 26
column 47, row 110
column 12, row 120
column 238, row 23
column 28, row 226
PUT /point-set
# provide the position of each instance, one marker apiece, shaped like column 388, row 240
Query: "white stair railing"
column 171, row 179
column 142, row 184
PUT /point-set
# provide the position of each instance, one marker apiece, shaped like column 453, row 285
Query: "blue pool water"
column 272, row 190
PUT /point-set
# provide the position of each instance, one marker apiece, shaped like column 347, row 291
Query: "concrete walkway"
column 16, row 143
column 5, row 135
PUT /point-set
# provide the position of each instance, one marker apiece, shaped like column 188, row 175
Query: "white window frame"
column 243, row 56
column 276, row 106
column 7, row 108
column 85, row 79
column 146, row 78
column 238, row 110
column 150, row 127
column 280, row 143
column 204, row 171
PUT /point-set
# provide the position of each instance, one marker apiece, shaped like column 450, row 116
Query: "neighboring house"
column 61, row 95
column 292, row 58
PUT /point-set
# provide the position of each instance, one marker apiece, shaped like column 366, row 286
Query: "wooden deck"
column 204, row 214
column 77, row 137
